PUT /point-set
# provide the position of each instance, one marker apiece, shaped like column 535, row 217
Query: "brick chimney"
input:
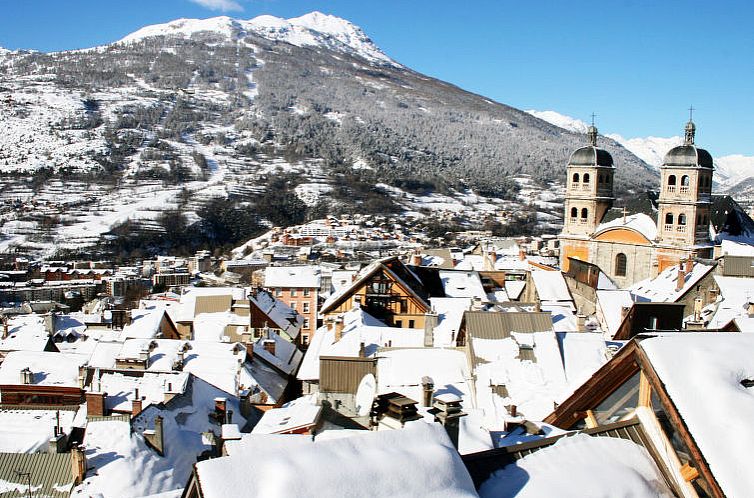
column 430, row 322
column 249, row 350
column 269, row 346
column 681, row 280
column 522, row 254
column 136, row 403
column 95, row 403
column 78, row 464
column 339, row 325
column 689, row 264
column 416, row 258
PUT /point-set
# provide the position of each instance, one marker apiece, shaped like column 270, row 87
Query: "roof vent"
column 747, row 382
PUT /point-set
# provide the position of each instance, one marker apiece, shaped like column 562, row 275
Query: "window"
column 411, row 324
column 293, row 305
column 575, row 178
column 620, row 265
column 305, row 338
column 399, row 323
column 306, row 326
column 278, row 292
column 685, row 181
column 671, row 180
column 586, row 177
column 584, row 213
column 669, row 219
column 307, row 292
column 600, row 179
column 293, row 292
column 305, row 307
column 620, row 404
column 681, row 219
column 574, row 213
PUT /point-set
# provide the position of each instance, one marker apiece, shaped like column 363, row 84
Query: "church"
column 633, row 247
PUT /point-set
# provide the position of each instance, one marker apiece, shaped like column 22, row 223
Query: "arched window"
column 681, row 219
column 671, row 180
column 620, row 265
column 574, row 213
column 584, row 213
column 601, row 179
column 685, row 181
column 586, row 177
column 669, row 219
column 698, row 219
column 575, row 178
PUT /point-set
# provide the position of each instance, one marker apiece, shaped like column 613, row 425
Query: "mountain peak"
column 312, row 29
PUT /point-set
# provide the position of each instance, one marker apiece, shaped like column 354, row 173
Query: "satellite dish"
column 365, row 395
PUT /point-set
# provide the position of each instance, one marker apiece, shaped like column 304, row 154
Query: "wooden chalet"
column 388, row 291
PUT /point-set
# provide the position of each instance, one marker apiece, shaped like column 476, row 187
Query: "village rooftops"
column 664, row 287
column 25, row 333
column 46, row 368
column 735, row 295
column 30, row 429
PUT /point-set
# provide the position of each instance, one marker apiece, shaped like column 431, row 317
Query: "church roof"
column 688, row 155
column 591, row 156
column 641, row 223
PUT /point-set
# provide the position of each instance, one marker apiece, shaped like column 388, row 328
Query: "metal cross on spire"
column 593, row 116
column 691, row 113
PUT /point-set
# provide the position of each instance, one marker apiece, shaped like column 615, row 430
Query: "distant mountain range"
column 733, row 173
column 176, row 114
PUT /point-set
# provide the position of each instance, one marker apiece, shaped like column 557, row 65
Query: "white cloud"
column 222, row 5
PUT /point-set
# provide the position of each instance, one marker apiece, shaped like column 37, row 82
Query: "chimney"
column 430, row 322
column 136, row 404
column 449, row 414
column 78, row 464
column 27, row 376
column 428, row 388
column 681, row 280
column 5, row 327
column 750, row 308
column 179, row 360
column 95, row 403
column 339, row 328
column 522, row 254
column 416, row 258
column 155, row 437
column 690, row 264
column 220, row 408
column 249, row 350
column 269, row 346
column 581, row 322
column 362, row 350
column 144, row 358
column 699, row 304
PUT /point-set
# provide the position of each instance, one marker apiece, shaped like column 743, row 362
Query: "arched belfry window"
column 575, row 178
column 685, row 181
column 574, row 212
column 681, row 219
column 584, row 213
column 669, row 219
column 671, row 180
column 620, row 265
column 586, row 177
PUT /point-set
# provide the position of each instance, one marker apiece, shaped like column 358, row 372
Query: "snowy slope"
column 313, row 29
column 561, row 120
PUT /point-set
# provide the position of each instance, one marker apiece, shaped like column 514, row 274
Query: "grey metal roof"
column 591, row 156
column 738, row 266
column 49, row 473
column 689, row 156
column 487, row 325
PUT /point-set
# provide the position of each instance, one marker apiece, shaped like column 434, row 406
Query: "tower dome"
column 688, row 155
column 591, row 155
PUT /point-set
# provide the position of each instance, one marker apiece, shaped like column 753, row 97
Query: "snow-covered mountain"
column 730, row 171
column 313, row 29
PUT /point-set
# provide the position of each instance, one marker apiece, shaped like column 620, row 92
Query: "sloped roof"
column 49, row 473
column 489, row 325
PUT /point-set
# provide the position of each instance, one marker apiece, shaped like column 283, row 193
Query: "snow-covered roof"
column 532, row 385
column 462, row 284
column 287, row 356
column 702, row 374
column 662, row 288
column 450, row 314
column 25, row 333
column 213, row 326
column 283, row 316
column 401, row 370
column 610, row 304
column 418, row 460
column 640, row 222
column 583, row 354
column 732, row 248
column 735, row 294
column 292, row 276
column 145, row 324
column 300, row 413
column 24, row 430
column 514, row 288
column 48, row 369
column 580, row 465
column 551, row 287
column 153, row 387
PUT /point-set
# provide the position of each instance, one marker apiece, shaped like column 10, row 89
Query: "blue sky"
column 638, row 64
